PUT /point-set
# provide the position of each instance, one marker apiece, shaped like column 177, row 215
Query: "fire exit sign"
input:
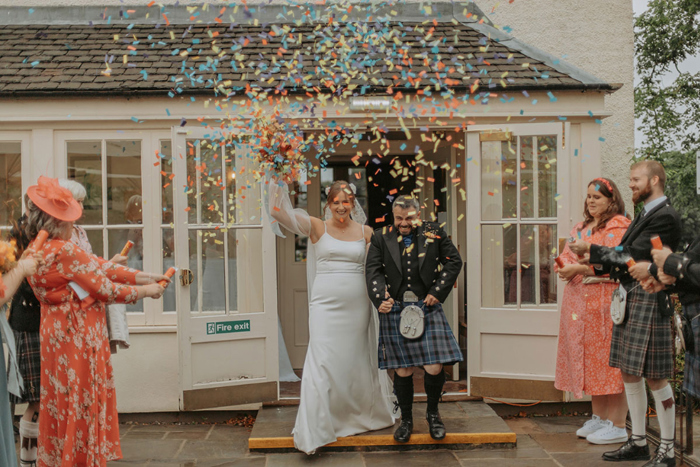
column 226, row 327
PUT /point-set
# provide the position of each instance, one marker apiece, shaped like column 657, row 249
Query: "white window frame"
column 152, row 315
column 25, row 140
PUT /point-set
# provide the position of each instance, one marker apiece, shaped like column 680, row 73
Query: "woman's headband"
column 607, row 184
column 352, row 187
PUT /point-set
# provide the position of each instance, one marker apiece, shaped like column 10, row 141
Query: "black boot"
column 661, row 457
column 403, row 387
column 433, row 389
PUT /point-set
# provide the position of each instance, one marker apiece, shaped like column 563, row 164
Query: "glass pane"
column 547, row 175
column 356, row 176
column 537, row 248
column 10, row 182
column 498, row 261
column 499, row 179
column 527, row 197
column 205, row 184
column 166, row 180
column 169, row 261
column 124, row 182
column 245, row 280
column 95, row 239
column 208, row 289
column 116, row 239
column 85, row 166
column 245, row 193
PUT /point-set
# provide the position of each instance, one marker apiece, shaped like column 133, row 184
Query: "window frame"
column 25, row 140
column 152, row 315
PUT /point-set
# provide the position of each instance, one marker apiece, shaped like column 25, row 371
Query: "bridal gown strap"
column 343, row 392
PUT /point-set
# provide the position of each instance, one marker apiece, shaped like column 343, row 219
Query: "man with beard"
column 642, row 344
column 413, row 263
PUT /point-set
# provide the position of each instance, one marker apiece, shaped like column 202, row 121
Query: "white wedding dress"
column 343, row 392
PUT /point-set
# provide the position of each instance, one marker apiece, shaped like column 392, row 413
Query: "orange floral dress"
column 585, row 327
column 78, row 424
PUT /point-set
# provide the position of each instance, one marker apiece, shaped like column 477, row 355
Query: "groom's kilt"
column 436, row 345
column 642, row 345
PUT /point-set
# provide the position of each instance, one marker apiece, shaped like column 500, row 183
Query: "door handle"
column 186, row 277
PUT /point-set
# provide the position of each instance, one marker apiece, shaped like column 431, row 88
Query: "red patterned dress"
column 585, row 327
column 78, row 425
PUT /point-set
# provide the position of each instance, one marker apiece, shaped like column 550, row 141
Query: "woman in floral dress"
column 78, row 423
column 585, row 327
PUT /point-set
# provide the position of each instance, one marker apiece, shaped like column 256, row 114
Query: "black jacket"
column 25, row 310
column 685, row 268
column 438, row 261
column 662, row 220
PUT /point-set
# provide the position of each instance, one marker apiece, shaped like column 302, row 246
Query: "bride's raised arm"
column 282, row 213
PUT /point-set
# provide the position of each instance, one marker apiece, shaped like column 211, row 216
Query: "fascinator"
column 54, row 200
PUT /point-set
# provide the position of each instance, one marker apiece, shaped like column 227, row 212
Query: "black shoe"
column 437, row 428
column 660, row 457
column 628, row 452
column 403, row 432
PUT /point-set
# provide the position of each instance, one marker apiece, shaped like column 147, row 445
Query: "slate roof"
column 72, row 60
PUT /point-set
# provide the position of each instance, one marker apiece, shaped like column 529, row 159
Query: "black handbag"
column 665, row 303
column 685, row 340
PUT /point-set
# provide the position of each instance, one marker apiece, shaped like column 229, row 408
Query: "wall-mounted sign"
column 370, row 103
column 226, row 327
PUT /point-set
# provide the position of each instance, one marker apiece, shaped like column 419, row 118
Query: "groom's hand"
column 430, row 300
column 387, row 304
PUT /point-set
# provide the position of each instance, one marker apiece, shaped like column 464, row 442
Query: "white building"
column 501, row 166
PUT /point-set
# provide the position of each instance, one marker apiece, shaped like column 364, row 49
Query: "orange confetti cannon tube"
column 559, row 262
column 127, row 248
column 40, row 239
column 169, row 273
column 630, row 262
column 656, row 243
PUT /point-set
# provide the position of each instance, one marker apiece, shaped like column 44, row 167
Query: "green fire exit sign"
column 225, row 327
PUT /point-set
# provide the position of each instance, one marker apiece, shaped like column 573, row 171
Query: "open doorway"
column 428, row 167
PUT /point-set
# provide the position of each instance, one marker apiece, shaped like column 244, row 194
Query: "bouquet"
column 8, row 258
column 278, row 151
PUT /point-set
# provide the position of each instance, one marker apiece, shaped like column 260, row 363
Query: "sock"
column 637, row 402
column 403, row 387
column 666, row 413
column 433, row 389
column 29, row 431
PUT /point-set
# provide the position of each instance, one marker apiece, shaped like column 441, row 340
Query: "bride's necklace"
column 341, row 229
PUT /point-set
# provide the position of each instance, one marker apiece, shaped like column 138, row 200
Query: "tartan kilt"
column 642, row 345
column 29, row 361
column 691, row 380
column 436, row 345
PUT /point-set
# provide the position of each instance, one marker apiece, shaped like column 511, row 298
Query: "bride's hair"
column 336, row 188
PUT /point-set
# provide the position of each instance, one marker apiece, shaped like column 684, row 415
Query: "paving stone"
column 524, row 426
column 526, row 448
column 509, row 463
column 560, row 424
column 144, row 435
column 228, row 432
column 259, row 461
column 199, row 449
column 325, row 459
column 569, row 442
column 413, row 458
column 142, row 450
column 186, row 435
column 588, row 460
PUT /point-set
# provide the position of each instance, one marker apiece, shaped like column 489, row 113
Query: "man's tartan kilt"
column 29, row 361
column 691, row 379
column 642, row 345
column 436, row 345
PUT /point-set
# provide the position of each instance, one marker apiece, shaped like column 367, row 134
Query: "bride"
column 343, row 392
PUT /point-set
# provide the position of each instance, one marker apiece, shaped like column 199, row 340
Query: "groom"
column 413, row 263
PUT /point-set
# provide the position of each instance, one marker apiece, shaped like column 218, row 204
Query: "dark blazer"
column 685, row 267
column 662, row 220
column 438, row 261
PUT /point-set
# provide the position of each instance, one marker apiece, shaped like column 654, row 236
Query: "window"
column 110, row 171
column 10, row 182
column 518, row 220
